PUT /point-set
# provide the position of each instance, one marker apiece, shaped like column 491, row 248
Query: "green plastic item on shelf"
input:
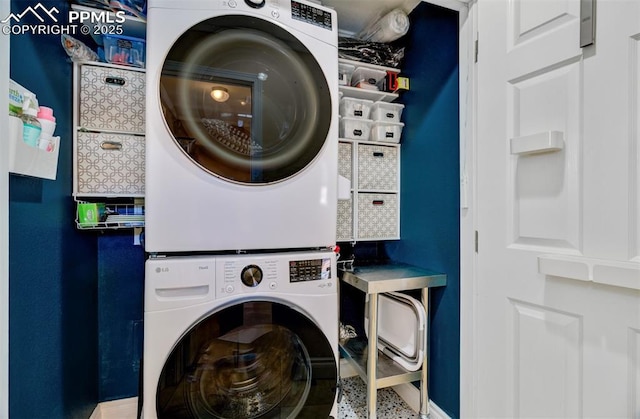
column 90, row 214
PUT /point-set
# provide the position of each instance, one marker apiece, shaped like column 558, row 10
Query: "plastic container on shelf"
column 124, row 50
column 386, row 132
column 355, row 128
column 387, row 112
column 31, row 129
column 355, row 108
column 48, row 125
column 344, row 73
column 367, row 78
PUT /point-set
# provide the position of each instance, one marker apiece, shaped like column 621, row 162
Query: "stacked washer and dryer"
column 241, row 305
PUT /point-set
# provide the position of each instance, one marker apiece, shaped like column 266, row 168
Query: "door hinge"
column 475, row 50
column 476, row 241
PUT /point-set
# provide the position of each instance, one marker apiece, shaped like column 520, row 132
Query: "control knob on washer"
column 256, row 4
column 251, row 275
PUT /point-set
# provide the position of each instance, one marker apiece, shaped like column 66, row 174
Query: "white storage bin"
column 387, row 132
column 355, row 128
column 110, row 164
column 367, row 78
column 378, row 167
column 378, row 216
column 345, row 71
column 355, row 108
column 387, row 112
column 112, row 99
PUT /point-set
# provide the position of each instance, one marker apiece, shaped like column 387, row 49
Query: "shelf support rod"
column 424, row 376
column 372, row 357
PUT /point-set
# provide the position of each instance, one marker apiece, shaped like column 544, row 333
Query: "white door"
column 557, row 304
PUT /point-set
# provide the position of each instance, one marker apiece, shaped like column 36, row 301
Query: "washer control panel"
column 287, row 273
column 310, row 14
column 309, row 270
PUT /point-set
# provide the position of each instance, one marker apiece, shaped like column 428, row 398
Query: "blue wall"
column 52, row 268
column 430, row 207
column 120, row 314
column 75, row 297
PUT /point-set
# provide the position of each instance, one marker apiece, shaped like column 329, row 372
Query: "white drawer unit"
column 377, row 167
column 110, row 164
column 378, row 216
column 109, row 144
column 373, row 212
column 111, row 99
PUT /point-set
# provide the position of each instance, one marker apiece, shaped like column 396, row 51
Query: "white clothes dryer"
column 242, row 125
column 241, row 336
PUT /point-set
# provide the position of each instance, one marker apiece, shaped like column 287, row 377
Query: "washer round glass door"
column 257, row 359
column 245, row 100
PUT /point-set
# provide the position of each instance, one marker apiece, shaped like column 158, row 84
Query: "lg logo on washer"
column 160, row 270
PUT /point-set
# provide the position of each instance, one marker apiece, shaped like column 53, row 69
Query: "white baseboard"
column 407, row 392
column 116, row 409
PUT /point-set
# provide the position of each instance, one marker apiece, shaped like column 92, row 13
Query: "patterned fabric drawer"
column 377, row 167
column 112, row 99
column 377, row 216
column 345, row 163
column 110, row 164
column 345, row 220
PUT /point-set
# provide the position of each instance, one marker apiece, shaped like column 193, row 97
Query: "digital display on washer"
column 309, row 270
column 311, row 15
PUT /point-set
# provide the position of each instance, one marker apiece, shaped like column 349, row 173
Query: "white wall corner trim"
column 468, row 104
column 4, row 224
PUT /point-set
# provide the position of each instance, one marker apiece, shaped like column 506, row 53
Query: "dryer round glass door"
column 245, row 100
column 257, row 359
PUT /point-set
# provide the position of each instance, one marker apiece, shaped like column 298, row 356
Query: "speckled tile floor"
column 352, row 406
column 354, row 402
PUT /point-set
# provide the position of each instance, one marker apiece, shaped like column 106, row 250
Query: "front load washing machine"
column 241, row 336
column 241, row 128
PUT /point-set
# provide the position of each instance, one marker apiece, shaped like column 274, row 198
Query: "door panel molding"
column 634, row 148
column 547, row 356
column 544, row 189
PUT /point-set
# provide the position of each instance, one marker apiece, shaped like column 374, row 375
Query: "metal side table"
column 381, row 371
